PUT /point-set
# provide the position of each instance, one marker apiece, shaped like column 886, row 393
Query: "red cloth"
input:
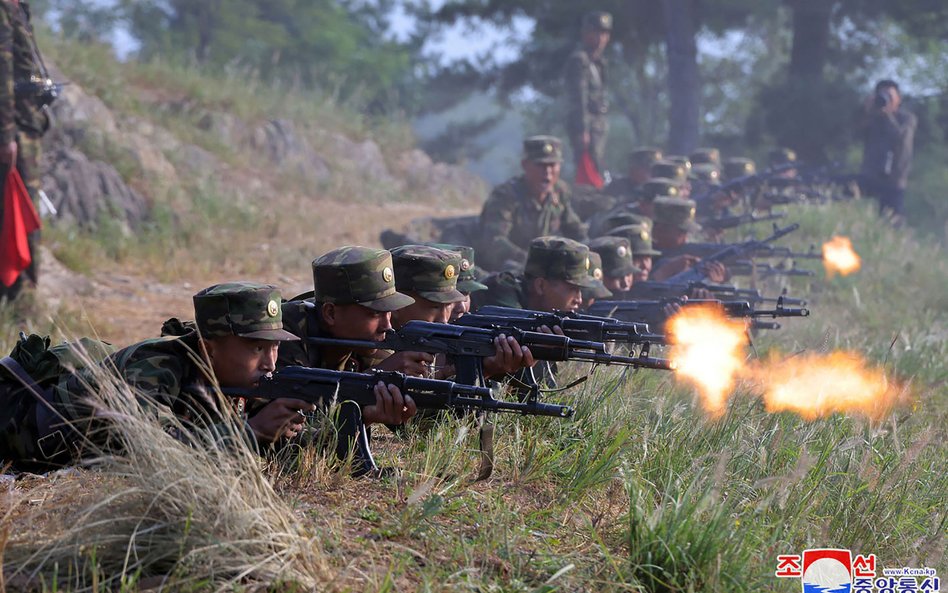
column 587, row 173
column 19, row 219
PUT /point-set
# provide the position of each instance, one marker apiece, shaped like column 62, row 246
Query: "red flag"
column 19, row 219
column 587, row 173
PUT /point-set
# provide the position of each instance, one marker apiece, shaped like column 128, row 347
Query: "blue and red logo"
column 827, row 571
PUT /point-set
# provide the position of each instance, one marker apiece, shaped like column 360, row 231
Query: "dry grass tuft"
column 197, row 515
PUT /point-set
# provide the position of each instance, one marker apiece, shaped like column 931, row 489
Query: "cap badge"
column 644, row 235
column 587, row 263
column 605, row 20
column 449, row 272
column 273, row 309
column 465, row 265
column 388, row 275
column 597, row 274
column 547, row 148
column 692, row 213
column 622, row 251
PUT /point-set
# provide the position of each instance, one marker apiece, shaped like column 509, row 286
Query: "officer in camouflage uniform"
column 467, row 277
column 556, row 271
column 674, row 220
column 599, row 290
column 430, row 277
column 531, row 205
column 23, row 120
column 354, row 298
column 618, row 266
column 238, row 329
column 588, row 106
column 640, row 240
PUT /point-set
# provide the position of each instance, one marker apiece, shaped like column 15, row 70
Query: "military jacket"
column 511, row 218
column 586, row 93
column 17, row 64
column 168, row 371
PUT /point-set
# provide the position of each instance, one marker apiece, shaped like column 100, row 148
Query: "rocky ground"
column 303, row 190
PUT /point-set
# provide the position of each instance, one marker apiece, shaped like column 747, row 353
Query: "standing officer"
column 23, row 117
column 586, row 89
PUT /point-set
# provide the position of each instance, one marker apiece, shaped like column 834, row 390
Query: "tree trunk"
column 811, row 30
column 684, row 83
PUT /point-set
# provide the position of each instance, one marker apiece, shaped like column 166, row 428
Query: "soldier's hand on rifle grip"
column 716, row 272
column 555, row 330
column 413, row 364
column 510, row 358
column 391, row 407
column 281, row 418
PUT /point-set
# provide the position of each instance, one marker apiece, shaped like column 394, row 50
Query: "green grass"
column 642, row 492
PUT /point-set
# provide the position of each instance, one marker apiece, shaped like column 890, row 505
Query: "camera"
column 882, row 100
column 42, row 92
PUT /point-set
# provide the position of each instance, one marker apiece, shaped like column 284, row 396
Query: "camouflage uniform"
column 624, row 187
column 21, row 118
column 677, row 213
column 511, row 217
column 588, row 105
column 167, row 372
column 347, row 275
column 555, row 258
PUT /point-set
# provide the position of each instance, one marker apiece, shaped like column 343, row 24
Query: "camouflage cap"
column 429, row 272
column 598, row 290
column 559, row 258
column 660, row 186
column 358, row 276
column 625, row 218
column 616, row 254
column 669, row 170
column 707, row 172
column 597, row 21
column 703, row 156
column 644, row 157
column 244, row 309
column 680, row 159
column 467, row 277
column 736, row 167
column 676, row 212
column 640, row 238
column 781, row 156
column 543, row 149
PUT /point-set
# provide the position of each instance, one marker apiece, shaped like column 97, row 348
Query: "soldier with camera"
column 888, row 138
column 25, row 92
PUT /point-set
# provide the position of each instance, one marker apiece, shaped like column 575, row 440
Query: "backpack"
column 33, row 435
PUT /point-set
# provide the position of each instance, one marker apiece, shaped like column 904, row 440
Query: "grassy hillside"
column 641, row 491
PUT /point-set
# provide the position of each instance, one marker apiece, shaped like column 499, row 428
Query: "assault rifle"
column 764, row 270
column 637, row 311
column 730, row 252
column 652, row 290
column 468, row 346
column 599, row 329
column 730, row 222
column 323, row 386
column 580, row 326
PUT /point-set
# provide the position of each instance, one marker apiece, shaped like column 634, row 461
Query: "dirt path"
column 125, row 305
